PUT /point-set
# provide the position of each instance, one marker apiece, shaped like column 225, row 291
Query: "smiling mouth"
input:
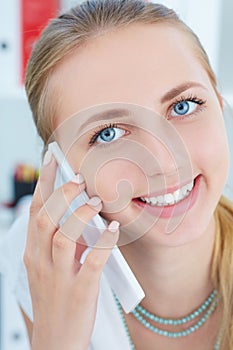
column 170, row 198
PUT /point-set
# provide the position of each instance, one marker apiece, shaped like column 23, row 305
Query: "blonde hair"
column 222, row 267
column 72, row 30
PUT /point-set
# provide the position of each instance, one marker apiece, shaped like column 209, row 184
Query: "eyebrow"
column 113, row 113
column 169, row 95
column 116, row 113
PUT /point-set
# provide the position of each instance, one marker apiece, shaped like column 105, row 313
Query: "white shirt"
column 109, row 331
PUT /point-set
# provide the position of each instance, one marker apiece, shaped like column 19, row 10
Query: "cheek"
column 116, row 183
column 208, row 146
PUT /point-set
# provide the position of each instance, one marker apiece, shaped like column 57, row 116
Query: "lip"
column 175, row 209
column 167, row 190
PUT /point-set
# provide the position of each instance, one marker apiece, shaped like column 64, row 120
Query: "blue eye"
column 183, row 108
column 107, row 134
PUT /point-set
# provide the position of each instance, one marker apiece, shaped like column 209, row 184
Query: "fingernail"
column 47, row 158
column 113, row 226
column 94, row 202
column 78, row 179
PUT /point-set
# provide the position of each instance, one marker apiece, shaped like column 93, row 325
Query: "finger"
column 81, row 246
column 95, row 261
column 64, row 240
column 44, row 188
column 45, row 183
column 59, row 201
column 53, row 210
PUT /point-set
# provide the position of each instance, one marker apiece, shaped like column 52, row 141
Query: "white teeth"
column 160, row 199
column 177, row 195
column 170, row 198
column 184, row 190
column 190, row 186
column 153, row 201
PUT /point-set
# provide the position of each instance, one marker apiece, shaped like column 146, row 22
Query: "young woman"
column 177, row 228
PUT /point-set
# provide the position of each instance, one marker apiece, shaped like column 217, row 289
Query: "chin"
column 187, row 231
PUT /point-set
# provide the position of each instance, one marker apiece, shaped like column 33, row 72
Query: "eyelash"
column 101, row 128
column 190, row 98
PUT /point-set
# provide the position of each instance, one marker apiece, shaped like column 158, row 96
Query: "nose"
column 166, row 156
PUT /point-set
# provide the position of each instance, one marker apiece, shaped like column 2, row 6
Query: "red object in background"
column 35, row 14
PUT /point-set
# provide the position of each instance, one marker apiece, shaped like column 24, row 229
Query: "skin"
column 174, row 269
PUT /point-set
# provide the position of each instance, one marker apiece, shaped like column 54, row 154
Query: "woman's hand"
column 64, row 293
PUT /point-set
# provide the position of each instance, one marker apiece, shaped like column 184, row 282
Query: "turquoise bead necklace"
column 174, row 322
column 211, row 302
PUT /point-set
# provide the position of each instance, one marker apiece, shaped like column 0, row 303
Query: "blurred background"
column 20, row 148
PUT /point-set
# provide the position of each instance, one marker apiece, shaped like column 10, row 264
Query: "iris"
column 107, row 135
column 181, row 107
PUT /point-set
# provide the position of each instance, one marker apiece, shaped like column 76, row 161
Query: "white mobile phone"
column 117, row 271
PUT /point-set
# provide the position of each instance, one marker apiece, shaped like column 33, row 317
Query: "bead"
column 182, row 320
column 166, row 333
column 191, row 329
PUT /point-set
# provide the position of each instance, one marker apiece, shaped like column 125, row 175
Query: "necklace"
column 171, row 322
column 182, row 320
column 139, row 309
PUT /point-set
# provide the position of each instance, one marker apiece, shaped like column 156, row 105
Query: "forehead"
column 136, row 64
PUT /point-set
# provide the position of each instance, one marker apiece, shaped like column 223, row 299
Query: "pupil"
column 182, row 107
column 108, row 134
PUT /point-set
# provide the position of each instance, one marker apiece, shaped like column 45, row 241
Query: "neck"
column 176, row 280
